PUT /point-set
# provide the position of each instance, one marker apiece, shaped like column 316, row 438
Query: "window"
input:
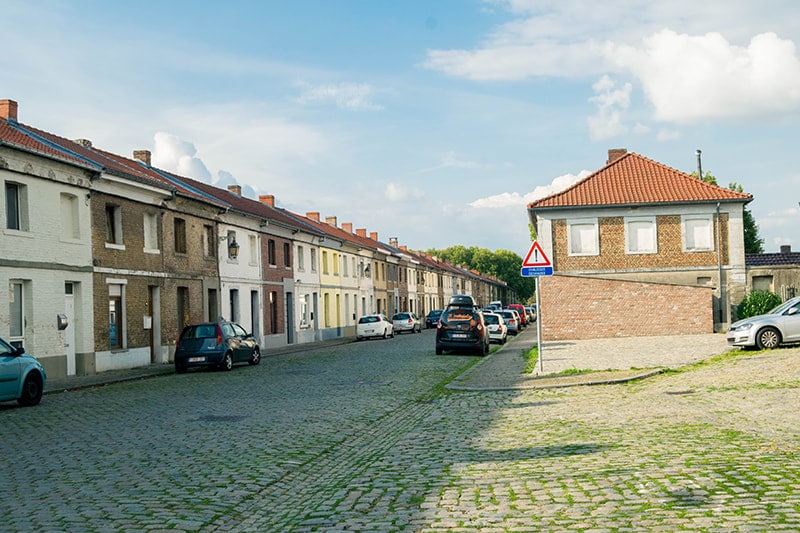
column 180, row 236
column 253, row 249
column 213, row 313
column 697, row 233
column 273, row 312
column 583, row 237
column 150, row 222
column 16, row 313
column 344, row 267
column 209, row 241
column 70, row 222
column 271, row 252
column 304, row 311
column 313, row 260
column 324, row 262
column 234, row 303
column 113, row 224
column 16, row 206
column 115, row 316
column 335, row 264
column 301, row 261
column 640, row 235
column 184, row 310
column 287, row 255
column 762, row 283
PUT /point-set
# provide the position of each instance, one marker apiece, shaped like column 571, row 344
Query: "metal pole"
column 539, row 326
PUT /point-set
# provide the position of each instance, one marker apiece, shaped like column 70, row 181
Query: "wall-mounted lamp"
column 233, row 249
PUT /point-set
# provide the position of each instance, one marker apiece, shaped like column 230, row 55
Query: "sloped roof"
column 633, row 179
column 15, row 135
column 773, row 259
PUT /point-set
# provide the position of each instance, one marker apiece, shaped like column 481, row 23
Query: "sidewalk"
column 158, row 369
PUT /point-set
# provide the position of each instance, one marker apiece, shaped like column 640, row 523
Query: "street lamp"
column 233, row 249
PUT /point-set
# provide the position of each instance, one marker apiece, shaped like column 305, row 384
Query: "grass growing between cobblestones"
column 532, row 357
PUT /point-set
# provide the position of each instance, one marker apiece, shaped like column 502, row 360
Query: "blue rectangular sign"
column 536, row 271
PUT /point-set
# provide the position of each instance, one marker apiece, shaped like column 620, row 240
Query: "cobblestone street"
column 363, row 437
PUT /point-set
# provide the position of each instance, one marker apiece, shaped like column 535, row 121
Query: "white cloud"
column 514, row 199
column 610, row 101
column 689, row 78
column 397, row 192
column 350, row 96
column 172, row 153
column 453, row 160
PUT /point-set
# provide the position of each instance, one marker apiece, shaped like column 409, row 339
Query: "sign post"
column 536, row 264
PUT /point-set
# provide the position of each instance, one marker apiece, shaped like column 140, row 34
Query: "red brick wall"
column 575, row 308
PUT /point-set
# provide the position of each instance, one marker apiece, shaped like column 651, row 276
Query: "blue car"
column 22, row 377
column 217, row 344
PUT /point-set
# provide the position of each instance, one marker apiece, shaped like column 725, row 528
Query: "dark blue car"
column 217, row 344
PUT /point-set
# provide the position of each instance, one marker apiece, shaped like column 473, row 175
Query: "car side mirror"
column 792, row 311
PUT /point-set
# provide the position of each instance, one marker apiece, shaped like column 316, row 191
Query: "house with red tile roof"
column 640, row 221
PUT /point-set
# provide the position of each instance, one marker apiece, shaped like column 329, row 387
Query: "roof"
column 772, row 259
column 14, row 135
column 633, row 179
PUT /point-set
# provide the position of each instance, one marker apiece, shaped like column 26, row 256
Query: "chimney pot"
column 313, row 215
column 8, row 110
column 786, row 248
column 267, row 199
column 142, row 155
column 615, row 153
column 331, row 221
column 347, row 226
column 86, row 143
column 235, row 189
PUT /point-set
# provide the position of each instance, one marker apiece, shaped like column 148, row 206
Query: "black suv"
column 461, row 327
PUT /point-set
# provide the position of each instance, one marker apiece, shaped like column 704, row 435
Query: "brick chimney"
column 331, row 221
column 373, row 235
column 235, row 189
column 786, row 248
column 267, row 199
column 392, row 241
column 8, row 110
column 404, row 248
column 615, row 153
column 142, row 155
column 347, row 226
column 313, row 215
column 86, row 143
column 361, row 232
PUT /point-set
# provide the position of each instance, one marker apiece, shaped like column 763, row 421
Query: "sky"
column 432, row 121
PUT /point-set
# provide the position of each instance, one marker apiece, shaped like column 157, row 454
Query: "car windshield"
column 401, row 316
column 492, row 319
column 368, row 319
column 202, row 331
column 457, row 314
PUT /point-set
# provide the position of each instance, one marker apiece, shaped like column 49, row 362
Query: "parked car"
column 532, row 312
column 523, row 313
column 462, row 328
column 433, row 318
column 375, row 325
column 498, row 331
column 22, row 377
column 511, row 319
column 219, row 344
column 406, row 321
column 461, row 300
column 779, row 326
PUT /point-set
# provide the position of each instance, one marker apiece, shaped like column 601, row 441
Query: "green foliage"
column 505, row 265
column 757, row 302
column 753, row 243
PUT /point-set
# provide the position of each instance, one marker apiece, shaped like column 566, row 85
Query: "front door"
column 69, row 333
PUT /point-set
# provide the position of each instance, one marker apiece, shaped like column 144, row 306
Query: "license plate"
column 196, row 359
column 459, row 335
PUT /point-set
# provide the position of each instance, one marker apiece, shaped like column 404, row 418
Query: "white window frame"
column 18, row 216
column 632, row 227
column 150, row 226
column 689, row 242
column 595, row 250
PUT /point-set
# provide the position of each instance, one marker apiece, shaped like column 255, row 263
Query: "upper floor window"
column 150, row 222
column 313, row 260
column 209, row 241
column 324, row 262
column 698, row 235
column 640, row 235
column 253, row 250
column 113, row 224
column 16, row 206
column 70, row 221
column 271, row 252
column 287, row 255
column 180, row 236
column 583, row 237
column 335, row 264
column 301, row 260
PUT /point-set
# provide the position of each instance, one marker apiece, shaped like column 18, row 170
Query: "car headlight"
column 742, row 327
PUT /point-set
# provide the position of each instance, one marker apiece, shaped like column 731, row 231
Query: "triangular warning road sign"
column 536, row 257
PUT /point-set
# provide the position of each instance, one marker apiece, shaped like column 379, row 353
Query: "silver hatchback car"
column 770, row 330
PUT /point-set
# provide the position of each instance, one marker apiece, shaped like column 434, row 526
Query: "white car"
column 376, row 325
column 498, row 332
column 779, row 326
column 406, row 321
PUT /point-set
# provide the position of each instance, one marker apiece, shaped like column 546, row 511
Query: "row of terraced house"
column 107, row 258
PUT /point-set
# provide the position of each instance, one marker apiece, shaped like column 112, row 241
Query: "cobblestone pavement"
column 363, row 437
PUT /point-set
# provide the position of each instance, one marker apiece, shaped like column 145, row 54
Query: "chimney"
column 373, row 235
column 267, row 199
column 86, row 143
column 361, row 232
column 392, row 241
column 235, row 189
column 143, row 156
column 404, row 248
column 786, row 248
column 615, row 153
column 347, row 226
column 8, row 110
column 313, row 215
column 331, row 221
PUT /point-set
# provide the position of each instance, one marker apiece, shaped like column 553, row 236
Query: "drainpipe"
column 722, row 313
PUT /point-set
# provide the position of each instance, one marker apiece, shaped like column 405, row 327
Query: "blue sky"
column 433, row 121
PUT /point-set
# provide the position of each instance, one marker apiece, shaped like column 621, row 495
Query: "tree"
column 753, row 243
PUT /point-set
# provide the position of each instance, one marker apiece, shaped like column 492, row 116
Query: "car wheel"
column 227, row 362
column 31, row 390
column 503, row 340
column 768, row 338
column 439, row 350
column 392, row 334
column 384, row 333
column 256, row 357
